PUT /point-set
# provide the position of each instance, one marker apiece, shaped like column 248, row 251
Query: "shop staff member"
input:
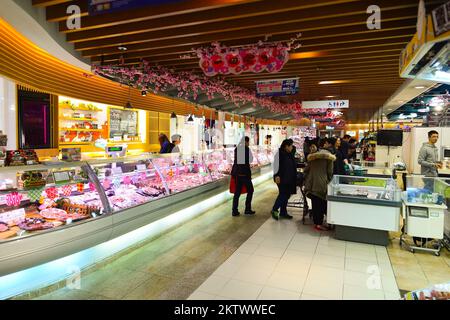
column 242, row 173
column 176, row 140
column 345, row 147
column 428, row 156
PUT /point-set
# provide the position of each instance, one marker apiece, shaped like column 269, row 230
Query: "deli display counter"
column 364, row 209
column 52, row 211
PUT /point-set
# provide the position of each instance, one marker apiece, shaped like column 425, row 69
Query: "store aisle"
column 287, row 260
column 175, row 264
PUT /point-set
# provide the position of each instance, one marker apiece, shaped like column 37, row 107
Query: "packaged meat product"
column 33, row 224
column 3, row 227
column 13, row 217
column 54, row 214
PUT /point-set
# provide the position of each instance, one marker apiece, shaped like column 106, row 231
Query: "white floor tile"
column 392, row 295
column 238, row 258
column 363, row 246
column 331, row 242
column 248, row 248
column 255, row 239
column 331, row 275
column 328, row 261
column 227, row 269
column 323, row 288
column 240, row 290
column 253, row 275
column 259, row 262
column 214, row 284
column 383, row 257
column 303, row 246
column 269, row 293
column 223, row 298
column 270, row 242
column 200, row 295
column 273, row 252
column 361, row 254
column 287, row 281
column 306, row 296
column 297, row 257
column 357, row 278
column 389, row 284
column 295, row 269
column 330, row 250
column 359, row 265
column 352, row 292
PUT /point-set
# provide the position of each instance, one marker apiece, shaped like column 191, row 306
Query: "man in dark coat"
column 285, row 176
column 242, row 173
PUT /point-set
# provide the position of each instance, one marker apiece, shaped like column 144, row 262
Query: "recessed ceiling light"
column 389, row 109
column 334, row 82
column 121, row 48
column 330, row 96
column 419, row 87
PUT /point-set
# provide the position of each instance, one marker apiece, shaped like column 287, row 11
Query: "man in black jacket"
column 242, row 173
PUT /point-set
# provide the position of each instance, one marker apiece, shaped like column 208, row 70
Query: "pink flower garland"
column 188, row 83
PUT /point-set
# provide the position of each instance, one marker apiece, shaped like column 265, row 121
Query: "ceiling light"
column 128, row 105
column 334, row 82
column 173, row 115
column 144, row 93
column 419, row 87
column 121, row 48
column 330, row 96
column 190, row 119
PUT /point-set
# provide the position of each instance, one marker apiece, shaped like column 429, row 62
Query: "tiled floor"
column 216, row 256
column 287, row 260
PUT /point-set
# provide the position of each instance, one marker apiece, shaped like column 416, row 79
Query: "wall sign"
column 441, row 19
column 326, row 104
column 278, row 87
column 122, row 122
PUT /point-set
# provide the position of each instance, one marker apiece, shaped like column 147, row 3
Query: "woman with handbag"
column 285, row 176
column 242, row 175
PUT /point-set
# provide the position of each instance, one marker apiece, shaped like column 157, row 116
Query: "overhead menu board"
column 122, row 122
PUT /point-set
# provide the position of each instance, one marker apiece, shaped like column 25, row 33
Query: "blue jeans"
column 281, row 203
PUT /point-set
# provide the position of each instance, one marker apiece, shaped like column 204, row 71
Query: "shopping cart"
column 300, row 202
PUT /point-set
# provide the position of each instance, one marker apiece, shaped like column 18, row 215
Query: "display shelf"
column 80, row 130
column 75, row 143
column 78, row 119
column 79, row 109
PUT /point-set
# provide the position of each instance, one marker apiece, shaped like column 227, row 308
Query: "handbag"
column 233, row 186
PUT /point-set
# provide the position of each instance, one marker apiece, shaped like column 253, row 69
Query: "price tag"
column 3, row 199
column 117, row 170
column 61, row 176
column 141, row 167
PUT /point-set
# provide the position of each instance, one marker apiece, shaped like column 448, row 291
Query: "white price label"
column 117, row 170
column 141, row 167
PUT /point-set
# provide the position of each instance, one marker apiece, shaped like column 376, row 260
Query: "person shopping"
column 285, row 176
column 166, row 146
column 242, row 173
column 339, row 163
column 319, row 172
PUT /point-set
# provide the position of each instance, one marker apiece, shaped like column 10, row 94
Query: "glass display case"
column 40, row 198
column 182, row 172
column 425, row 190
column 370, row 188
column 129, row 182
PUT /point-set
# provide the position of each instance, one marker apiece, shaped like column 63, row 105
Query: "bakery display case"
column 364, row 209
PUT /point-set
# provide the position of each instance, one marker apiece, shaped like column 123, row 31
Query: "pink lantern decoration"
column 66, row 190
column 52, row 193
column 13, row 199
column 92, row 187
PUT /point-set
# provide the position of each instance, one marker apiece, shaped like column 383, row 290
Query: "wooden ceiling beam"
column 58, row 12
column 224, row 16
column 47, row 3
column 309, row 22
column 252, row 35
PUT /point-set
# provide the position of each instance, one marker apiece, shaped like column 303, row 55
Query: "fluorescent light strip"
column 51, row 272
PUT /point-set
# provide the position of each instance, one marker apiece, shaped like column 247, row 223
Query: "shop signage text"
column 277, row 87
column 326, row 104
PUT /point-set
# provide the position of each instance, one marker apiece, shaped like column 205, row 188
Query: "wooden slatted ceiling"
column 335, row 30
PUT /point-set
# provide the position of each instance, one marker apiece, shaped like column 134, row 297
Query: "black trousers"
column 319, row 209
column 281, row 202
column 241, row 181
